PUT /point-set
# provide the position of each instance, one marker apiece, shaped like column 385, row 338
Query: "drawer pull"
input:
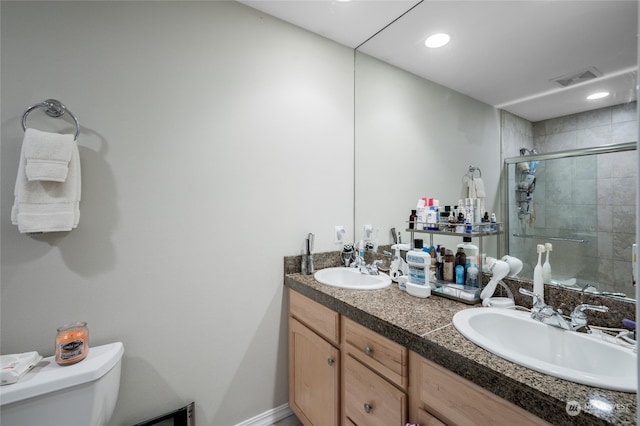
column 367, row 408
column 368, row 350
column 330, row 361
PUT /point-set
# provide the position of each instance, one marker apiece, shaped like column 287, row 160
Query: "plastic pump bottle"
column 538, row 281
column 546, row 268
column 419, row 263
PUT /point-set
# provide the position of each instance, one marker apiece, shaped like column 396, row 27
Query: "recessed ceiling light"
column 437, row 40
column 598, row 95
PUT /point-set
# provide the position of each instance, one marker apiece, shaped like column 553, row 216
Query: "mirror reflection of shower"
column 583, row 202
column 526, row 186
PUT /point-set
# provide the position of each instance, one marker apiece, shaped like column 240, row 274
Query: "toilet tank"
column 52, row 395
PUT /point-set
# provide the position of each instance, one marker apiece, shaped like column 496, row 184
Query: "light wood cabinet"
column 375, row 377
column 382, row 355
column 441, row 397
column 423, row 418
column 318, row 318
column 314, row 362
column 370, row 400
column 342, row 373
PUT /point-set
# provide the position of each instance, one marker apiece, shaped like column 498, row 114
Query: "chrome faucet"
column 373, row 268
column 360, row 263
column 547, row 315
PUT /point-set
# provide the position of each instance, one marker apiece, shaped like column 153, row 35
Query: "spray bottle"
column 538, row 281
column 546, row 268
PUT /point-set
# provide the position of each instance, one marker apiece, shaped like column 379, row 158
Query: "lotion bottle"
column 419, row 263
column 546, row 268
column 538, row 282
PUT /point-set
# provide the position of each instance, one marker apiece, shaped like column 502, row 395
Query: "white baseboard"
column 269, row 417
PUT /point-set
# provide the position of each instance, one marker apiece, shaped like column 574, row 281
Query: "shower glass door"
column 583, row 203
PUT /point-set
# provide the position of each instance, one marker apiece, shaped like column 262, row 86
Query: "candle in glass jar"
column 72, row 343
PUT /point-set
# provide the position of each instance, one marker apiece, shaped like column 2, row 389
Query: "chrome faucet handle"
column 579, row 318
column 587, row 286
column 538, row 302
column 586, row 306
column 373, row 268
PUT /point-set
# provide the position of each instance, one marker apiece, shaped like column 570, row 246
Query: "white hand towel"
column 47, row 154
column 44, row 206
column 475, row 189
column 478, row 185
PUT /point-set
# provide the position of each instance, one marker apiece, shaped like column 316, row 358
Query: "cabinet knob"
column 367, row 407
column 330, row 361
column 368, row 350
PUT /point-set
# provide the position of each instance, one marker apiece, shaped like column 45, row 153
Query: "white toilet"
column 82, row 394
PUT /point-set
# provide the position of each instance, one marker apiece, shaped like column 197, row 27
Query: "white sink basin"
column 351, row 278
column 577, row 357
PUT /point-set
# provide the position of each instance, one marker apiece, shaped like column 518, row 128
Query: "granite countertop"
column 424, row 326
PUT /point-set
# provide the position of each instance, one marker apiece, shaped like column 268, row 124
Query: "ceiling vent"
column 577, row 77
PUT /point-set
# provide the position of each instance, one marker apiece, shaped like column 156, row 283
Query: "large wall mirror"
column 419, row 125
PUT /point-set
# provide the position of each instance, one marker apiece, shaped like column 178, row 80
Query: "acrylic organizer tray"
column 458, row 292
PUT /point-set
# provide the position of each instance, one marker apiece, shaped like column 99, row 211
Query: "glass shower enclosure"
column 582, row 202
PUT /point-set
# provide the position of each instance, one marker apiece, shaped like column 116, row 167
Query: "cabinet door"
column 455, row 400
column 314, row 368
column 369, row 400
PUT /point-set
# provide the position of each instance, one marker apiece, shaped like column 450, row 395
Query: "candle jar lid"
column 70, row 326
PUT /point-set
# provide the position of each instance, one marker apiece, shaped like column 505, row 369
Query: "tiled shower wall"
column 605, row 185
column 613, row 176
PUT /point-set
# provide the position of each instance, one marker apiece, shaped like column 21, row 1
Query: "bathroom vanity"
column 383, row 357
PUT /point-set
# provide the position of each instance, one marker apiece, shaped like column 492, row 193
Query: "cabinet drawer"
column 384, row 356
column 369, row 399
column 458, row 401
column 425, row 419
column 319, row 318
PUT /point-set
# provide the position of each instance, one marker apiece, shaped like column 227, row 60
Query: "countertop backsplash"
column 565, row 299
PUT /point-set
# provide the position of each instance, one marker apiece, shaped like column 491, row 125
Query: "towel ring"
column 473, row 169
column 53, row 108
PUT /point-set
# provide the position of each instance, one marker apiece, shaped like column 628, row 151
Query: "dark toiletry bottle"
column 413, row 218
column 448, row 266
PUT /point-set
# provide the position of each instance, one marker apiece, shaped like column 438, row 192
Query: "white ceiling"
column 503, row 53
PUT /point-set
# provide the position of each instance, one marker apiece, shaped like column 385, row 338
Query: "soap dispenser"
column 546, row 268
column 538, row 281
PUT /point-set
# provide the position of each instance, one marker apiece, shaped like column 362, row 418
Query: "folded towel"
column 44, row 206
column 475, row 189
column 47, row 154
column 476, row 186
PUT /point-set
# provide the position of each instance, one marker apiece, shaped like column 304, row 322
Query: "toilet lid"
column 47, row 376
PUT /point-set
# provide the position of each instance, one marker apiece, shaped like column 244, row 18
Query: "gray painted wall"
column 207, row 133
column 214, row 138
